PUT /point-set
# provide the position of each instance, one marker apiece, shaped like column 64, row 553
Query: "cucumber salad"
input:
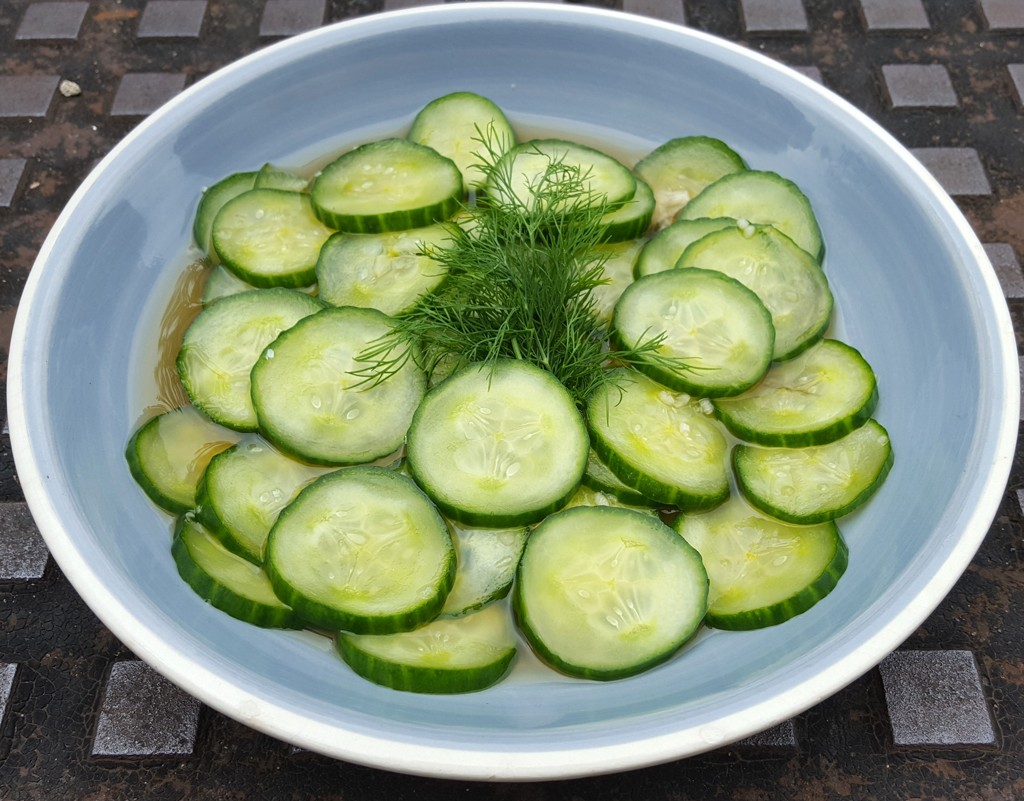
column 458, row 394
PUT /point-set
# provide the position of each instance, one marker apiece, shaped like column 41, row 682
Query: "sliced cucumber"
column 244, row 489
column 455, row 655
column 312, row 405
column 271, row 177
column 362, row 550
column 223, row 343
column 488, row 559
column 521, row 177
column 762, row 571
column 212, row 201
column 762, row 197
column 466, row 128
column 604, row 593
column 632, row 219
column 718, row 327
column 659, row 442
column 681, row 168
column 617, row 268
column 388, row 185
column 220, row 283
column 391, row 272
column 168, row 455
column 787, row 279
column 663, row 250
column 498, row 447
column 585, row 496
column 822, row 394
column 270, row 237
column 816, row 483
column 600, row 478
column 227, row 581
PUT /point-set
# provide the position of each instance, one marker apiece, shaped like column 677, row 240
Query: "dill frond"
column 520, row 278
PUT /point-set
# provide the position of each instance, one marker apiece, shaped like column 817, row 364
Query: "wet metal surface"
column 81, row 718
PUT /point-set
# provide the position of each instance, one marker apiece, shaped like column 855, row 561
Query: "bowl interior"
column 913, row 293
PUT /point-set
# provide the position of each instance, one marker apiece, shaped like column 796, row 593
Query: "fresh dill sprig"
column 521, row 271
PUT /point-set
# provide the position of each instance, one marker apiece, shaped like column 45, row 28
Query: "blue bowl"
column 914, row 291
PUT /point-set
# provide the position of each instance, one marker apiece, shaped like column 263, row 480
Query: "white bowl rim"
column 660, row 744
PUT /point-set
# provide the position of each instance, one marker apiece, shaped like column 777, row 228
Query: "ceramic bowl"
column 914, row 292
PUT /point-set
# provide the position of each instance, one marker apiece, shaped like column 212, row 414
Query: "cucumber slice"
column 362, row 550
column 787, row 279
column 821, row 395
column 498, row 446
column 389, row 185
column 168, row 454
column 632, row 219
column 600, row 478
column 762, row 197
column 270, row 237
column 212, row 201
column 227, row 581
column 458, row 655
column 663, row 250
column 817, row 483
column 681, row 168
column 221, row 282
column 244, row 489
column 466, row 128
column 390, row 272
column 310, row 403
column 487, row 564
column 717, row 326
column 604, row 593
column 617, row 269
column 659, row 442
column 223, row 343
column 528, row 166
column 585, row 496
column 762, row 571
column 271, row 177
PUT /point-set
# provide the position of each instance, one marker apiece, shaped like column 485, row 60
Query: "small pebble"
column 69, row 88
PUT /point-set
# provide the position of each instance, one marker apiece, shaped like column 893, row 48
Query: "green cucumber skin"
column 634, row 225
column 493, row 519
column 325, row 617
column 333, row 619
column 166, row 502
column 212, row 200
column 224, row 599
column 800, row 439
column 207, row 515
column 623, row 494
column 571, row 669
column 794, row 605
column 615, row 487
column 657, row 491
column 821, row 517
column 386, row 222
column 409, row 678
column 174, row 504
